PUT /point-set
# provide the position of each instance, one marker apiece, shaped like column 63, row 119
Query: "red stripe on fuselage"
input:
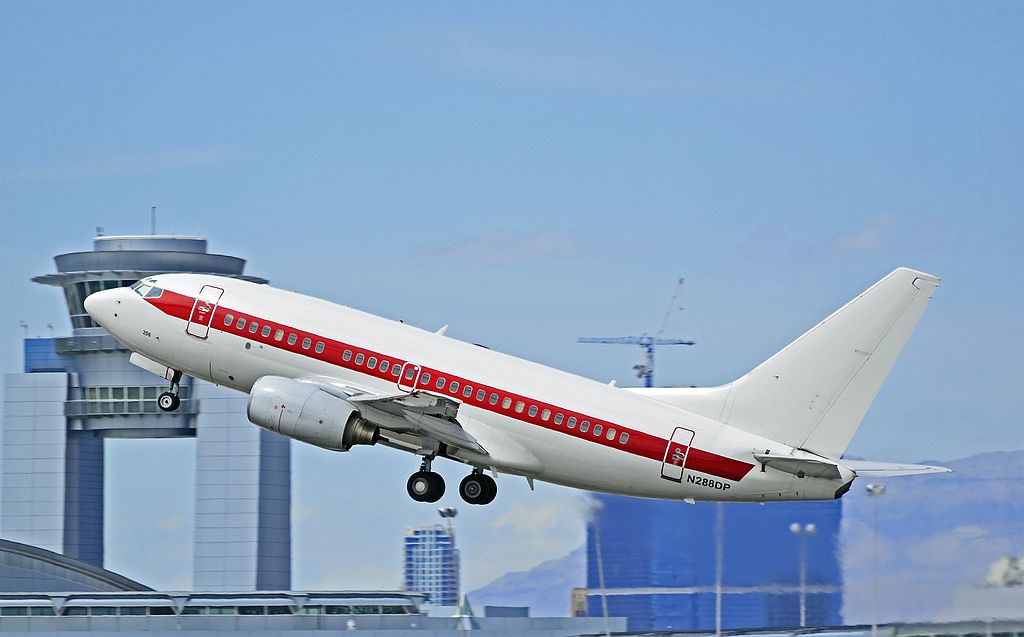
column 640, row 443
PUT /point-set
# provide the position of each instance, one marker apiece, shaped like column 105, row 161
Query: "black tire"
column 425, row 486
column 436, row 487
column 168, row 401
column 491, row 490
column 477, row 488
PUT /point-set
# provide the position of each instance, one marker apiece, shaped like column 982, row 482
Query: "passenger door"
column 202, row 311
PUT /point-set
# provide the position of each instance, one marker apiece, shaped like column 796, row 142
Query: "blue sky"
column 530, row 173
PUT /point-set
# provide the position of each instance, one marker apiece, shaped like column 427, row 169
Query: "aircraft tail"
column 814, row 393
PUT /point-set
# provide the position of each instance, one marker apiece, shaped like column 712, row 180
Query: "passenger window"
column 533, row 411
column 372, row 363
column 306, row 342
column 440, row 383
column 425, row 378
column 253, row 327
column 360, row 358
column 396, row 371
column 611, row 434
column 292, row 339
column 319, row 347
column 506, row 402
column 493, row 399
column 559, row 418
column 572, row 422
column 240, row 324
column 520, row 405
column 229, row 319
column 347, row 356
column 623, row 438
column 597, row 430
column 545, row 415
column 278, row 335
column 480, row 395
column 384, row 366
column 454, row 387
column 585, row 426
column 468, row 391
column 265, row 331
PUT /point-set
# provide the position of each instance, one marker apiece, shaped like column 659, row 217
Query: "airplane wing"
column 424, row 413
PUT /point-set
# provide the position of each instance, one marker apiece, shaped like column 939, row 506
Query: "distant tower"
column 432, row 564
column 77, row 391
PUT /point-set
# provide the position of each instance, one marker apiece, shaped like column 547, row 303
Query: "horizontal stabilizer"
column 866, row 469
column 802, row 467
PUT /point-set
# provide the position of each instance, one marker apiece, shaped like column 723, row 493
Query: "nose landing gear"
column 169, row 400
column 425, row 485
column 478, row 488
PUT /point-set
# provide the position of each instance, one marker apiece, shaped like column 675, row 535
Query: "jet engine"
column 305, row 412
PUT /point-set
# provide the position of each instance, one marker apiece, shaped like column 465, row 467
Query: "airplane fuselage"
column 533, row 420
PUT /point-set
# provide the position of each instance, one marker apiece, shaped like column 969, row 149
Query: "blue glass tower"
column 432, row 564
column 659, row 563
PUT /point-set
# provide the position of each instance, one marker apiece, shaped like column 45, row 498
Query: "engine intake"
column 304, row 412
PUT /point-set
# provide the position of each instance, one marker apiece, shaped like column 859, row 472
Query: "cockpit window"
column 153, row 293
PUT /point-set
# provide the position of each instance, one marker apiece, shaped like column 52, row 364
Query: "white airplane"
column 336, row 377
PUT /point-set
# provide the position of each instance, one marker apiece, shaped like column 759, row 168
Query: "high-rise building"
column 432, row 564
column 659, row 563
column 77, row 391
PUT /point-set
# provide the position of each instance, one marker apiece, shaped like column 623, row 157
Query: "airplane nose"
column 100, row 306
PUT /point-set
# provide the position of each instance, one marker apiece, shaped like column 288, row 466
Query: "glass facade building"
column 659, row 563
column 432, row 564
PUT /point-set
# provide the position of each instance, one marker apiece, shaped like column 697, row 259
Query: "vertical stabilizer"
column 814, row 393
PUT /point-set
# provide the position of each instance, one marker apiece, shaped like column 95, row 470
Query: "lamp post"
column 802, row 531
column 875, row 491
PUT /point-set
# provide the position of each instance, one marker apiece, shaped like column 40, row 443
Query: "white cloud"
column 504, row 247
column 878, row 234
column 129, row 164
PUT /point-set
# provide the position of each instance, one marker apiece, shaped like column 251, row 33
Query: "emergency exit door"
column 675, row 454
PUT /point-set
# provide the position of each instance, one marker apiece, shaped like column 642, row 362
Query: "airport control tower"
column 77, row 391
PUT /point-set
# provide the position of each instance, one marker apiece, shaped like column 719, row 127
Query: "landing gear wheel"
column 168, row 401
column 478, row 488
column 425, row 486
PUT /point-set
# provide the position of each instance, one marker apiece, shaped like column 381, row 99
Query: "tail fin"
column 814, row 393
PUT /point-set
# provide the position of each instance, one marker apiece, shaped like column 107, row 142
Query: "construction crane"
column 647, row 343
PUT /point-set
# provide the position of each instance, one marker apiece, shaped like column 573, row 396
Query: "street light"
column 803, row 531
column 875, row 491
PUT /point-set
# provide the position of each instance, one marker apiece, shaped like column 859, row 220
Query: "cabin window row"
column 254, row 327
column 520, row 406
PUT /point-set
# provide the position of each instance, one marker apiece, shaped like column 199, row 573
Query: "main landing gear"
column 478, row 488
column 169, row 401
column 425, row 485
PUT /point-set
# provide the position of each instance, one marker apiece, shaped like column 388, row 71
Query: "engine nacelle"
column 304, row 412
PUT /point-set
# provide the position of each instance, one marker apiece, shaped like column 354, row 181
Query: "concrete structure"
column 659, row 562
column 378, row 613
column 431, row 564
column 77, row 391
